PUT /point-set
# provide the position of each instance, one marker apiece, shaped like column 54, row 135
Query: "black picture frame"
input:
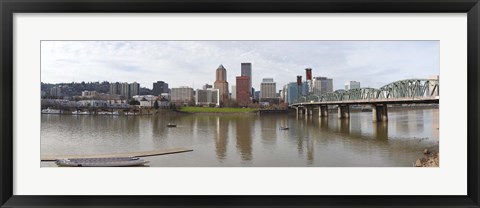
column 9, row 7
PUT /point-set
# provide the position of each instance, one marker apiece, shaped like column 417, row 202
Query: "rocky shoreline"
column 430, row 159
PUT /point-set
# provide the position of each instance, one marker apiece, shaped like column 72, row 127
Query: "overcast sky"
column 193, row 63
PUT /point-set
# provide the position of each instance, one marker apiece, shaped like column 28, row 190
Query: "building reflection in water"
column 244, row 138
column 221, row 136
column 269, row 129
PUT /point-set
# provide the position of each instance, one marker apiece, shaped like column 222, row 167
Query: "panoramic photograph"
column 309, row 103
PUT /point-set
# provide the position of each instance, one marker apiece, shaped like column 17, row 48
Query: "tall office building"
column 243, row 90
column 352, row 85
column 268, row 88
column 221, row 83
column 246, row 71
column 291, row 91
column 322, row 85
column 160, row 87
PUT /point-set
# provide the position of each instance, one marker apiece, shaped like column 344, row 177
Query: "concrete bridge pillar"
column 308, row 110
column 343, row 111
column 323, row 111
column 379, row 113
column 300, row 110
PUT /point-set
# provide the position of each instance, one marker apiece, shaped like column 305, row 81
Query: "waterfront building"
column 243, row 91
column 268, row 89
column 246, row 71
column 234, row 92
column 182, row 95
column 221, row 83
column 160, row 87
column 207, row 97
column 352, row 85
column 322, row 85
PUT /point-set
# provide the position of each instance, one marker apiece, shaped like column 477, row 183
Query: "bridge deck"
column 373, row 101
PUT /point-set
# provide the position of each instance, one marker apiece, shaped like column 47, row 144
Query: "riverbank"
column 216, row 110
column 430, row 159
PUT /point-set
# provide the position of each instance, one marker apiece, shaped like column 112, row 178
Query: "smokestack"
column 299, row 80
column 309, row 73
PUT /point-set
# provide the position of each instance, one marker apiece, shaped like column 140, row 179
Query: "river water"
column 250, row 140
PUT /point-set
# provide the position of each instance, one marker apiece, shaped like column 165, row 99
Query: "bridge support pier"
column 379, row 113
column 308, row 110
column 323, row 111
column 343, row 111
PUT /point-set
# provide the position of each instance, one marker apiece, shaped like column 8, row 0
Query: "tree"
column 133, row 102
column 155, row 105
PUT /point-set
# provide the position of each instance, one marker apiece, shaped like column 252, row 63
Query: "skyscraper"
column 160, row 87
column 322, row 85
column 221, row 83
column 246, row 71
column 243, row 91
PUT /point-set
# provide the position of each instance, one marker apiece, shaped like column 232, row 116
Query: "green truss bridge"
column 410, row 91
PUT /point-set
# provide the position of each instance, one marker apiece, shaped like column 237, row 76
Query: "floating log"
column 129, row 154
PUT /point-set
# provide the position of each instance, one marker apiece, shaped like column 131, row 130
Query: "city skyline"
column 193, row 63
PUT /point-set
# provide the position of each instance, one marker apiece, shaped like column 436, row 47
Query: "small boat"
column 171, row 125
column 130, row 113
column 103, row 113
column 75, row 112
column 51, row 111
column 115, row 113
column 101, row 162
column 84, row 113
column 284, row 128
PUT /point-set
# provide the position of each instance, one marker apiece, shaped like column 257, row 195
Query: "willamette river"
column 250, row 140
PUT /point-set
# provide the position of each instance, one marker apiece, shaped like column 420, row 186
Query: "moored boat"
column 284, row 128
column 171, row 125
column 51, row 111
column 101, row 162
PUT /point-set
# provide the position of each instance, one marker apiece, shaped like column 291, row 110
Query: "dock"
column 129, row 154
